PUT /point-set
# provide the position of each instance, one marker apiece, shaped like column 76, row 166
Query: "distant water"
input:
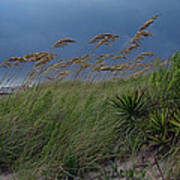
column 34, row 25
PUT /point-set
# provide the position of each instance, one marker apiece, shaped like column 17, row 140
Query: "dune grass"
column 71, row 128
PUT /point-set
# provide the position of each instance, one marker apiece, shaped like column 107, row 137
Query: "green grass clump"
column 71, row 130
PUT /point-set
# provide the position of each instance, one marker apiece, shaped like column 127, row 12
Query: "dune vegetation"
column 86, row 117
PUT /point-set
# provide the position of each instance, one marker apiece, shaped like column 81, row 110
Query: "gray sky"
column 34, row 25
column 28, row 26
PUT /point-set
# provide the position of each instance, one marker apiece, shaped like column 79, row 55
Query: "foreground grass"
column 67, row 129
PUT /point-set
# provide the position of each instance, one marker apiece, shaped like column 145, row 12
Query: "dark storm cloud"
column 33, row 25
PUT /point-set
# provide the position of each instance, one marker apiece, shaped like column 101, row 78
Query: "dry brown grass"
column 47, row 65
column 62, row 43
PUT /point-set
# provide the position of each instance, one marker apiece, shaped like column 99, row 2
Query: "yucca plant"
column 131, row 111
column 130, row 106
column 163, row 128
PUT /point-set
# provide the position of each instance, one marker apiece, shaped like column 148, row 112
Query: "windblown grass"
column 47, row 65
column 71, row 128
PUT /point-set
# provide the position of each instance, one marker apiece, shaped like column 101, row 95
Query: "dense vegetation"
column 69, row 129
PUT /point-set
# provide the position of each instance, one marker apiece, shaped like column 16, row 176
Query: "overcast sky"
column 34, row 25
